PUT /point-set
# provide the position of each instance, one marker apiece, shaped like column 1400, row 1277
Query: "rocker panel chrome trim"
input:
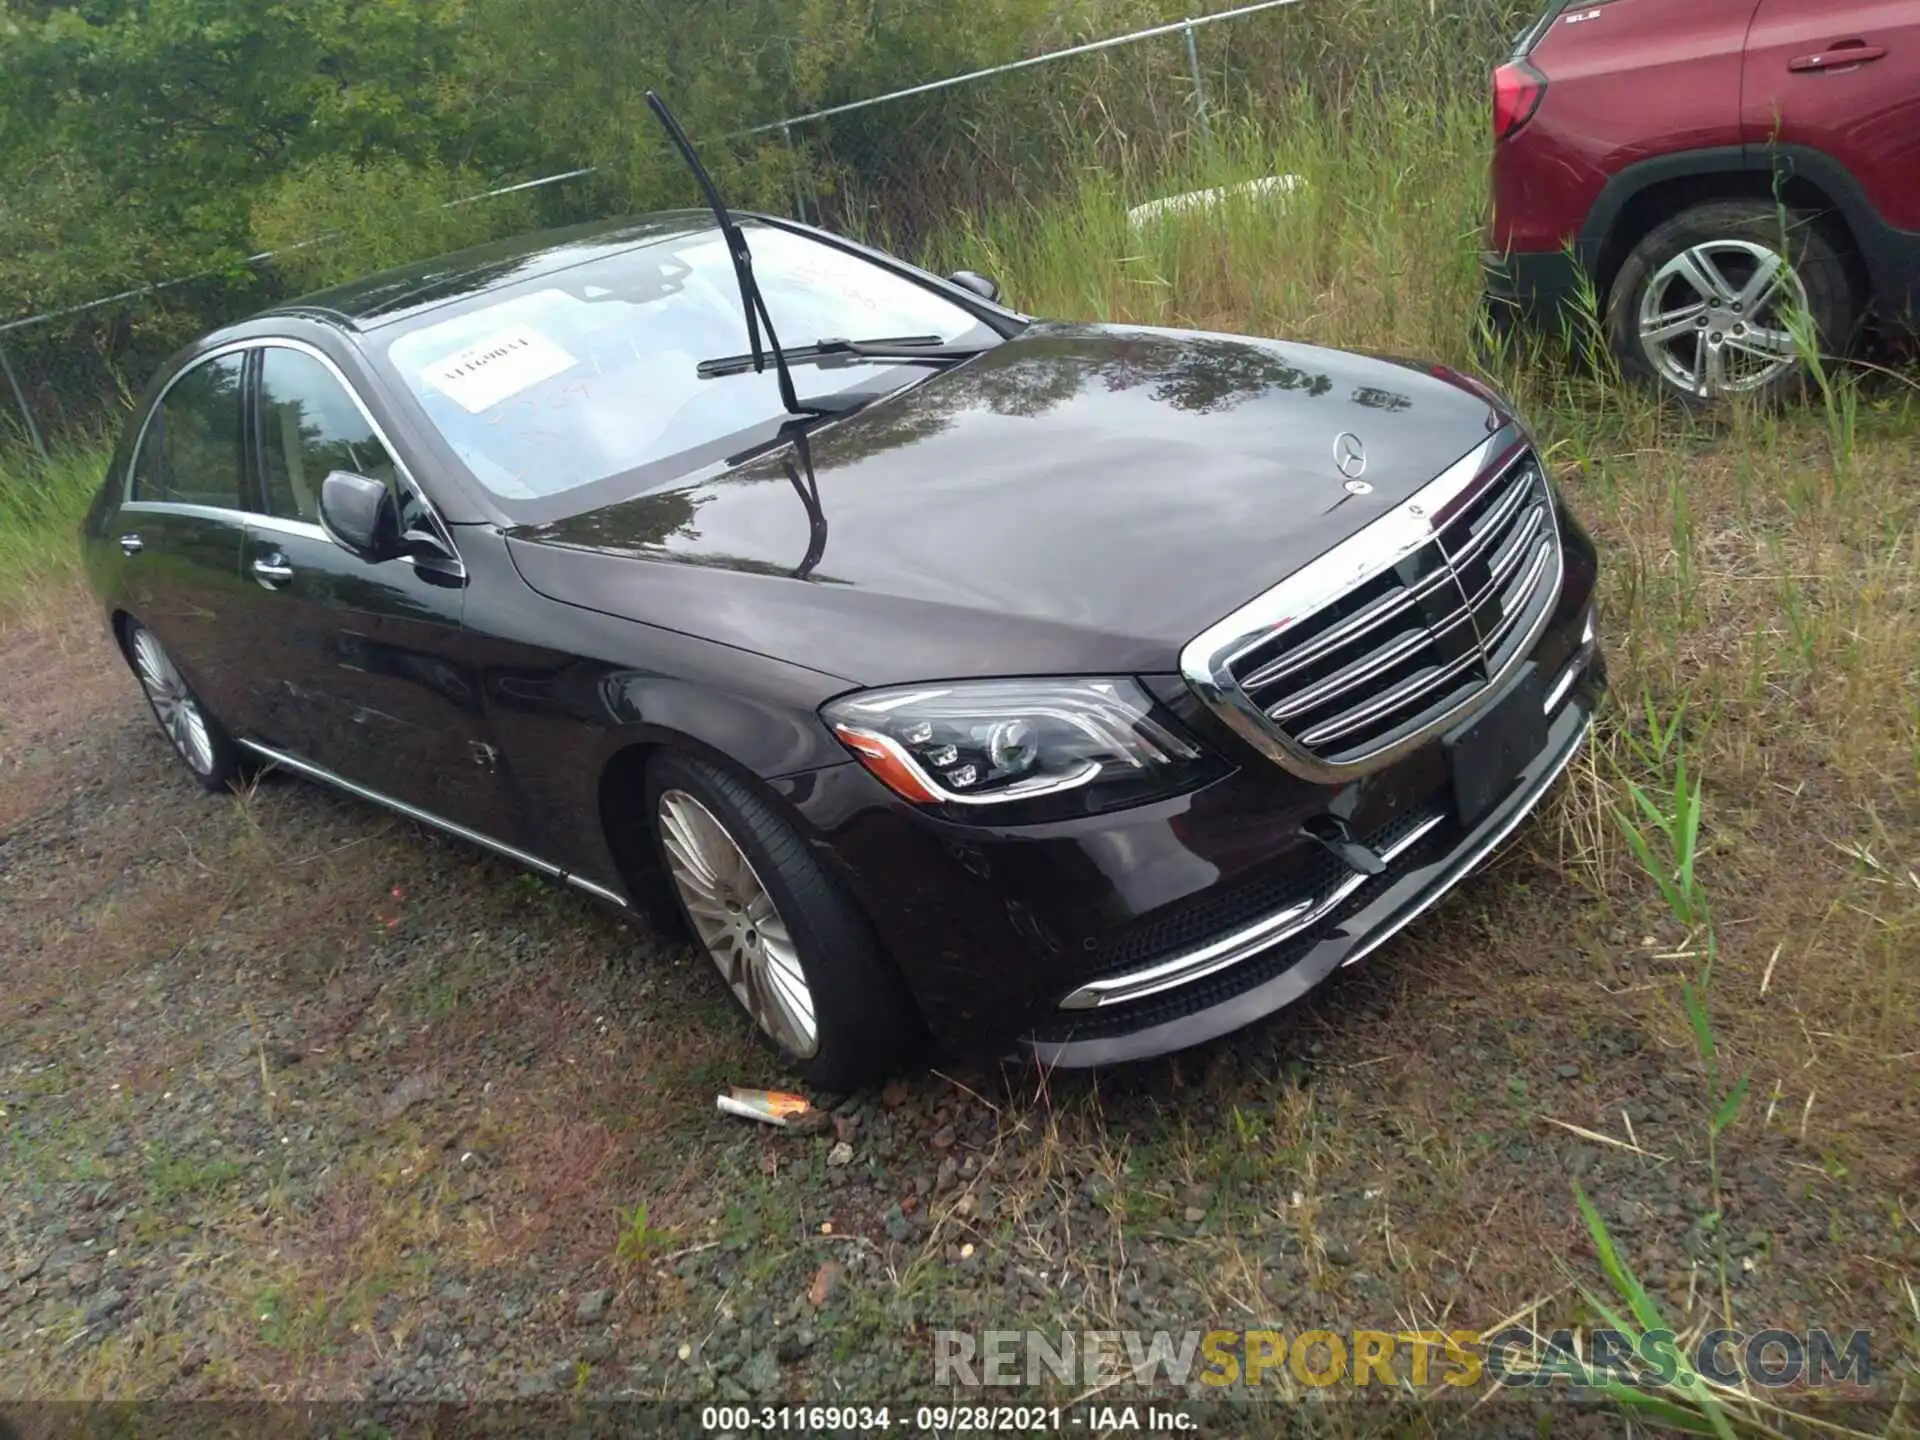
column 427, row 817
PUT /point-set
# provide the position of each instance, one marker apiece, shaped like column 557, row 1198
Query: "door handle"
column 272, row 570
column 1846, row 52
column 131, row 545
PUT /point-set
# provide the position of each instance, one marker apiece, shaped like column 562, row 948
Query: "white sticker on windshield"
column 508, row 361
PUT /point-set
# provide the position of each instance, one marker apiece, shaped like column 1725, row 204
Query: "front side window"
column 545, row 387
column 190, row 452
column 310, row 425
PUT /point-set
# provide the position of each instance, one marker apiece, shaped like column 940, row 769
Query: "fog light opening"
column 1577, row 666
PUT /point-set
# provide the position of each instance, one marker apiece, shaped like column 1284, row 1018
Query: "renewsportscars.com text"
column 1423, row 1359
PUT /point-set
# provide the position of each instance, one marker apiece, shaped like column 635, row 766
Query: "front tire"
column 200, row 741
column 1700, row 306
column 794, row 949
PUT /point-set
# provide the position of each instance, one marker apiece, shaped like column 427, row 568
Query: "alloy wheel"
column 173, row 703
column 738, row 923
column 1713, row 319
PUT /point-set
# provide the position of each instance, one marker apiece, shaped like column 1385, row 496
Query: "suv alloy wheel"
column 1716, row 301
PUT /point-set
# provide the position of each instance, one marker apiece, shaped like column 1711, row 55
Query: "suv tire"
column 1700, row 307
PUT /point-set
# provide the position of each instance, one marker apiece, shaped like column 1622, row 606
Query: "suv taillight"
column 1517, row 88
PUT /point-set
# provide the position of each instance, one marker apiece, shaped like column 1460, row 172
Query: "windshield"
column 571, row 377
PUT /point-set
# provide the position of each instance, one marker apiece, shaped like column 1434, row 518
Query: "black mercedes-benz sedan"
column 1081, row 691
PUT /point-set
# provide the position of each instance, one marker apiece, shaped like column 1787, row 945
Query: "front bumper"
column 997, row 929
column 1437, row 855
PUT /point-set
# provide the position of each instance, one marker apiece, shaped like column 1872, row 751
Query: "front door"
column 360, row 667
column 1843, row 80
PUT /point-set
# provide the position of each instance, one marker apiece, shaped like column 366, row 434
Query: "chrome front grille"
column 1376, row 645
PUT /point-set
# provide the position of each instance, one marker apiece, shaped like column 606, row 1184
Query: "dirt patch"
column 57, row 676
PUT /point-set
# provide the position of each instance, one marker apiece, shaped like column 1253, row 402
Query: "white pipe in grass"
column 1273, row 188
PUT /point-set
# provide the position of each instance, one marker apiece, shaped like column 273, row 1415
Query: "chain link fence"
column 61, row 369
column 896, row 167
column 893, row 168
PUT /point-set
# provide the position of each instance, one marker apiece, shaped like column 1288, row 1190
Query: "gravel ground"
column 300, row 1101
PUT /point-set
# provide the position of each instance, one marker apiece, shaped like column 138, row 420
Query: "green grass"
column 172, row 1177
column 41, row 506
column 637, row 1241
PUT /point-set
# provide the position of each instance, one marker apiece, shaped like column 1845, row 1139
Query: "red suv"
column 1710, row 167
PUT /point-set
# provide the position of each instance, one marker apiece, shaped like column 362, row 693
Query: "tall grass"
column 41, row 506
column 1376, row 248
column 541, row 89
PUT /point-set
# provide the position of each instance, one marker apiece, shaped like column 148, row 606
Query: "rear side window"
column 309, row 425
column 1531, row 36
column 190, row 453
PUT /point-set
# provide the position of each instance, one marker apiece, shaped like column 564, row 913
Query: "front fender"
column 572, row 691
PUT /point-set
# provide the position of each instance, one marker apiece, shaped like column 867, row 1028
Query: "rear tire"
column 793, row 947
column 200, row 741
column 1699, row 307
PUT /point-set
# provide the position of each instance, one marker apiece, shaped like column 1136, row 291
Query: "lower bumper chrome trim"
column 1217, row 955
column 426, row 817
column 1459, row 870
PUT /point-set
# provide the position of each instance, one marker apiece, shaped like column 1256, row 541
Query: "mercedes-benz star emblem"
column 1350, row 456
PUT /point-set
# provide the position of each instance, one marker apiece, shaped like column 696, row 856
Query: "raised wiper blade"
column 752, row 299
column 900, row 349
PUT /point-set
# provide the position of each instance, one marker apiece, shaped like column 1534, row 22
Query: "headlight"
column 994, row 742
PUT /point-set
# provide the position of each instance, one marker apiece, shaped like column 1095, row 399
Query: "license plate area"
column 1486, row 755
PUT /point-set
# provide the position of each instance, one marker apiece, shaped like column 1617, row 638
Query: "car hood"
column 1078, row 499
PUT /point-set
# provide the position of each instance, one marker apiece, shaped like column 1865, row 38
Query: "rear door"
column 1843, row 79
column 359, row 667
column 182, row 525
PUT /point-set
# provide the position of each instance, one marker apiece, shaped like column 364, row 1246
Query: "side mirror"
column 359, row 513
column 976, row 282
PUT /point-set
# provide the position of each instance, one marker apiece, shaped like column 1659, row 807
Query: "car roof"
column 394, row 295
